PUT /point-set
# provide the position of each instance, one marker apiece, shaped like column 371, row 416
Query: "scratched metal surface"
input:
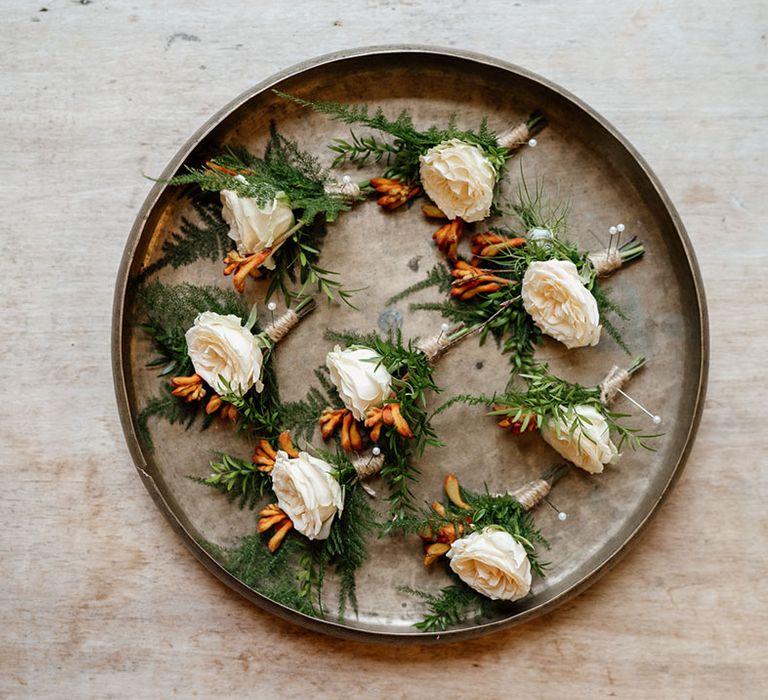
column 579, row 160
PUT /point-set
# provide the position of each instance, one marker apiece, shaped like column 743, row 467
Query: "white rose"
column 308, row 493
column 219, row 346
column 589, row 446
column 559, row 303
column 492, row 562
column 459, row 179
column 254, row 228
column 360, row 379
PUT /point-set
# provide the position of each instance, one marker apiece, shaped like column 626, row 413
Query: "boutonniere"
column 317, row 517
column 533, row 282
column 490, row 545
column 458, row 169
column 380, row 387
column 575, row 420
column 276, row 208
column 214, row 358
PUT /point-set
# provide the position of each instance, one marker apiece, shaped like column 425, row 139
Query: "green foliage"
column 297, row 263
column 536, row 211
column 408, row 143
column 273, row 575
column 284, row 169
column 207, row 240
column 453, row 605
column 346, row 545
column 439, row 276
column 239, row 479
column 502, row 316
column 606, row 305
column 260, row 412
column 301, row 417
column 170, row 408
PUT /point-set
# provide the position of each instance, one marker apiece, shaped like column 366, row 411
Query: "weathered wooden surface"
column 99, row 597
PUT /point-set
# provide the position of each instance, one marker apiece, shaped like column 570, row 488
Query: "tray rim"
column 338, row 629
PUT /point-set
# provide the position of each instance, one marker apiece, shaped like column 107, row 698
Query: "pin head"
column 376, row 451
column 272, row 305
column 562, row 516
column 532, row 143
column 346, row 179
column 619, row 227
column 613, row 230
column 656, row 420
column 444, row 327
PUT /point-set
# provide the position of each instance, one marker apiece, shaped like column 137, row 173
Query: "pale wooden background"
column 100, row 598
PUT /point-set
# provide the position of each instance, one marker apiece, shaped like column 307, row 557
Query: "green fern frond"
column 206, row 240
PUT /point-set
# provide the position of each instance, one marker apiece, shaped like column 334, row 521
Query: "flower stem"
column 631, row 250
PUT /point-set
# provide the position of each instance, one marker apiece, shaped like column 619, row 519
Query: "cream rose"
column 254, row 228
column 459, row 179
column 559, row 303
column 219, row 346
column 308, row 493
column 492, row 562
column 589, row 446
column 362, row 382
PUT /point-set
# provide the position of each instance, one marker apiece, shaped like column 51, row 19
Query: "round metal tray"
column 580, row 158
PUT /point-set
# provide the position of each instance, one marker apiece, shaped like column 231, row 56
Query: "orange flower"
column 432, row 212
column 333, row 419
column 265, row 455
column 432, row 552
column 396, row 193
column 387, row 415
column 447, row 238
column 437, row 544
column 244, row 265
column 486, row 245
column 188, row 388
column 330, row 420
column 469, row 281
column 273, row 516
column 453, row 491
column 226, row 410
column 351, row 440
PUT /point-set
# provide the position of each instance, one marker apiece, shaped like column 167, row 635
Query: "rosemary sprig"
column 238, row 479
column 408, row 143
column 439, row 276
